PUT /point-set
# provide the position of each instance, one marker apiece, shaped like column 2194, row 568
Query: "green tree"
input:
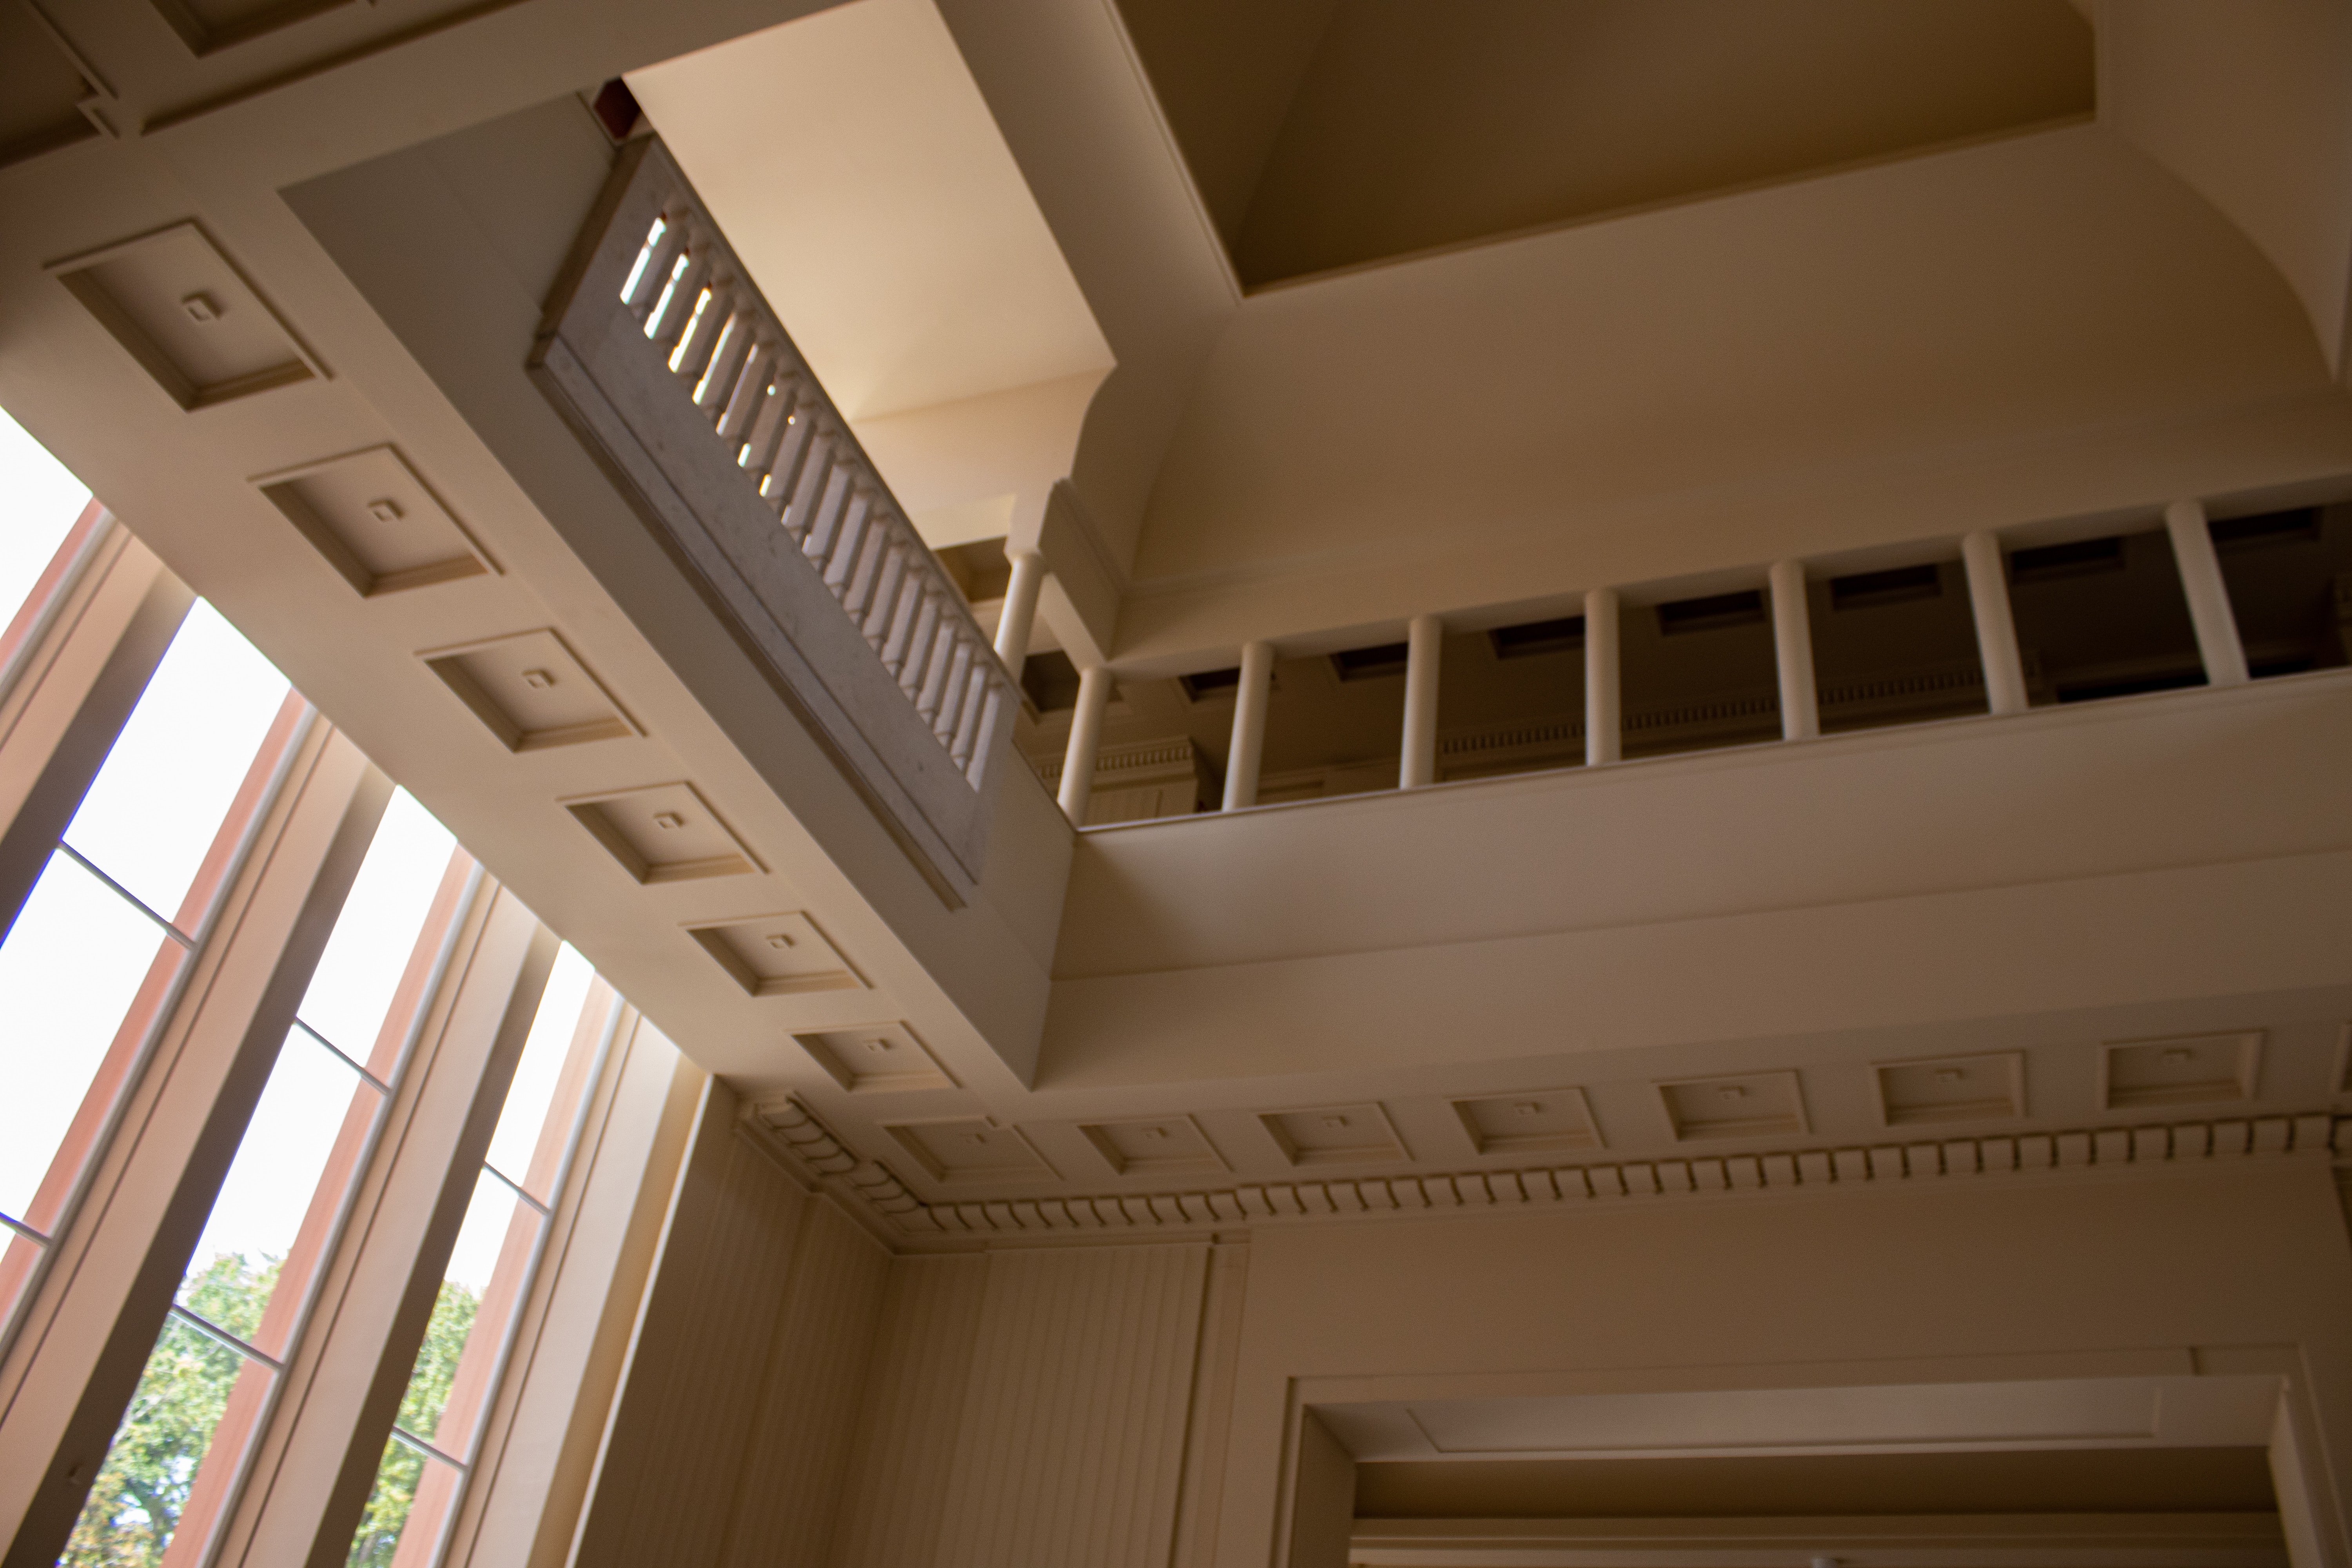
column 134, row 1505
column 403, row 1467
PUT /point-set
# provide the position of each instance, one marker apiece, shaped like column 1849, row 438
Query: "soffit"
column 863, row 180
column 1326, row 135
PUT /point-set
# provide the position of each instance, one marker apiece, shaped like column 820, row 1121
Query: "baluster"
column 898, row 641
column 795, row 435
column 815, row 468
column 671, row 320
column 975, row 766
column 824, row 524
column 849, row 539
column 884, row 603
column 917, row 662
column 934, row 689
column 702, row 336
column 858, row 596
column 967, row 729
column 716, row 392
column 759, row 372
column 640, row 302
column 951, row 691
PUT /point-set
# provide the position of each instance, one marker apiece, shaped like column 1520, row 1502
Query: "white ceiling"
column 857, row 172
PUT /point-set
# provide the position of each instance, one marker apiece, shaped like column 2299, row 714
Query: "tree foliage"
column 134, row 1505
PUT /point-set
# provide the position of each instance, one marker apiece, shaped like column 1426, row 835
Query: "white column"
column 1603, row 742
column 1792, row 648
column 1020, row 610
column 2208, row 597
column 2004, row 672
column 1423, row 638
column 1249, row 725
column 1086, row 740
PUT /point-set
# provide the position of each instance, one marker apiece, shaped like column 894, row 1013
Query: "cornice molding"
column 790, row 1128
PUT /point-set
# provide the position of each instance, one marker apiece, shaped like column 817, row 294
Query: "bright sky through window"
column 39, row 502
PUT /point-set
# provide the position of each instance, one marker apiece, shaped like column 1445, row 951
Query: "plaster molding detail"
column 789, row 1125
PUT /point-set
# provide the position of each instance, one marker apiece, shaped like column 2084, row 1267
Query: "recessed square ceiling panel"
column 778, row 955
column 877, row 1060
column 1533, row 1122
column 532, row 691
column 971, row 1148
column 663, row 833
column 378, row 524
column 1336, row 1135
column 1753, row 1105
column 2192, row 1070
column 184, row 312
column 1154, row 1145
column 1952, row 1089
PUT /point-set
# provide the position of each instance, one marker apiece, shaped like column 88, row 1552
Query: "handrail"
column 662, row 352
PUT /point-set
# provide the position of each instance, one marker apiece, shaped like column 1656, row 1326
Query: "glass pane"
column 537, row 1121
column 447, row 1386
column 69, row 972
column 405, row 1478
column 136, row 1504
column 351, row 991
column 272, row 1222
column 151, row 813
column 39, row 500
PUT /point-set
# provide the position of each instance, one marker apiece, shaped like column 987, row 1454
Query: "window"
column 434, row 1441
column 95, row 956
column 207, row 1388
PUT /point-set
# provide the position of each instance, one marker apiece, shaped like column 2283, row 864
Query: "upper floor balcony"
column 1290, row 693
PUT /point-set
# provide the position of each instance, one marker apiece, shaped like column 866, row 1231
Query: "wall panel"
column 800, row 1448
column 894, row 1499
column 1070, row 1448
column 690, row 1399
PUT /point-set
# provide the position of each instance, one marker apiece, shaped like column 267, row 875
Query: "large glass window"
column 93, row 959
column 182, row 1446
column 39, row 504
column 438, row 1432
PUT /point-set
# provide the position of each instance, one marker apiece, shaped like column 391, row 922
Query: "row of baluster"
column 741, row 372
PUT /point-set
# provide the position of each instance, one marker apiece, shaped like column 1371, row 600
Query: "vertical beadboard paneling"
column 1202, row 1499
column 895, row 1497
column 1071, row 1446
column 787, row 1493
column 667, row 1477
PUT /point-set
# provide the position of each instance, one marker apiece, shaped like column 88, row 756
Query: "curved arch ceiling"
column 1330, row 134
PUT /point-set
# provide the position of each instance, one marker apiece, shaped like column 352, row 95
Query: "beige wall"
column 1045, row 1407
column 735, row 1417
column 1888, row 880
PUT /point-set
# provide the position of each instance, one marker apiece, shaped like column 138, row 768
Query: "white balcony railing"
column 660, row 351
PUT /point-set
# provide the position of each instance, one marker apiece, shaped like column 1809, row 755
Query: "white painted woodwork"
column 1070, row 1444
column 896, row 1490
column 1988, row 573
column 1019, row 612
column 1094, row 685
column 1249, row 725
column 797, row 1459
column 1425, row 639
column 1793, row 652
column 2208, row 595
column 1603, row 688
column 735, row 1409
